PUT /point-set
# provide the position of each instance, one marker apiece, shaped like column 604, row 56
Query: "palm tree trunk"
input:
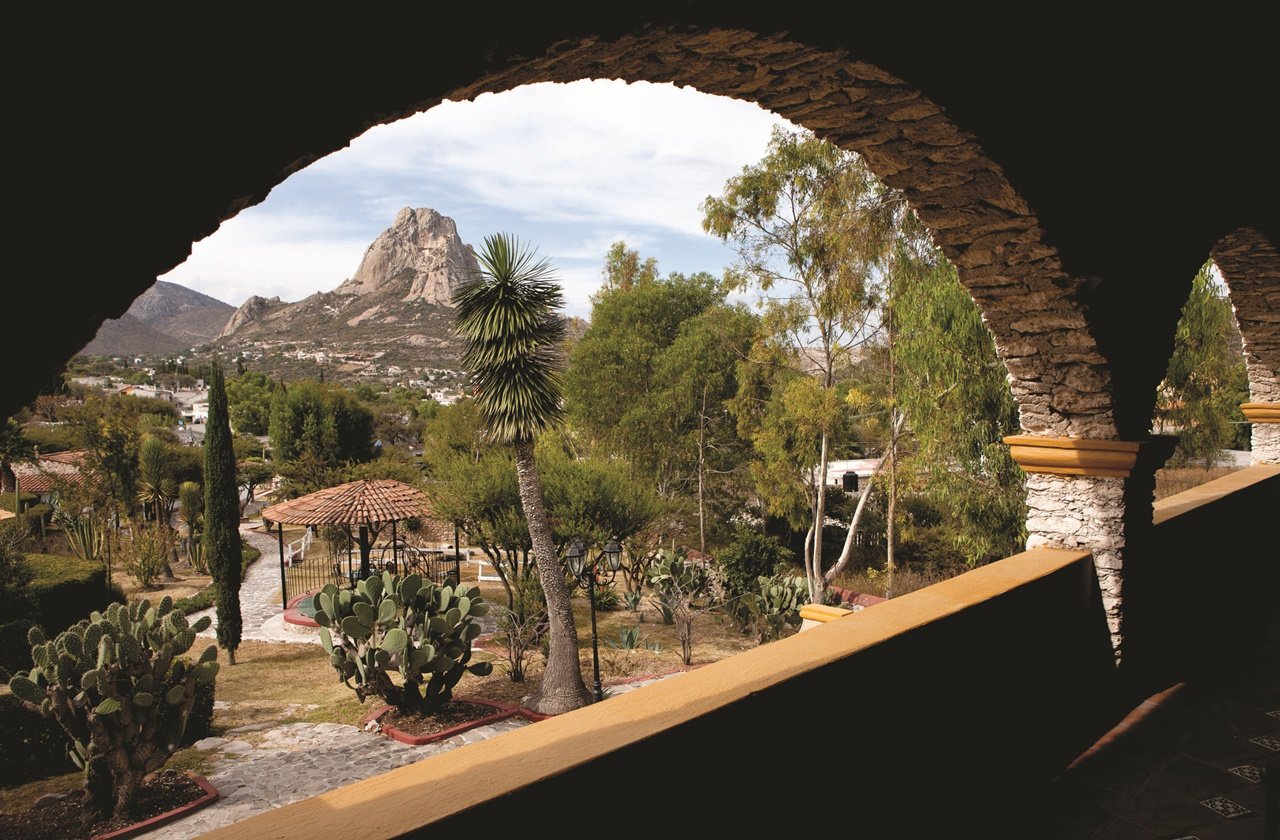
column 562, row 687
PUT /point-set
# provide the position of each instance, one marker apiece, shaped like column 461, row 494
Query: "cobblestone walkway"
column 258, row 768
column 260, row 610
column 258, row 771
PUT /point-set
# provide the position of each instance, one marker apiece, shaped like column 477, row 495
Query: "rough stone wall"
column 1056, row 372
column 1250, row 264
column 1083, row 512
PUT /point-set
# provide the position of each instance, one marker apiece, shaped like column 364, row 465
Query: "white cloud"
column 572, row 167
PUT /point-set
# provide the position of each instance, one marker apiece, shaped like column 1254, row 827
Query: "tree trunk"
column 702, row 469
column 817, row 584
column 562, row 687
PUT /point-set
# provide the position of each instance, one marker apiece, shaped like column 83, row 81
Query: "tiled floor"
column 1187, row 763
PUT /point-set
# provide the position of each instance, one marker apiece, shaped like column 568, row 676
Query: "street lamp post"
column 576, row 558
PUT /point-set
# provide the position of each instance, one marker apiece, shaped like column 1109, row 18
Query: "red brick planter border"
column 211, row 796
column 504, row 712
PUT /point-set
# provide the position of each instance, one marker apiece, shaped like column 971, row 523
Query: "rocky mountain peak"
column 420, row 257
column 250, row 310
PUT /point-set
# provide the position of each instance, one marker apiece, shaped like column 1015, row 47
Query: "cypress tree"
column 222, row 515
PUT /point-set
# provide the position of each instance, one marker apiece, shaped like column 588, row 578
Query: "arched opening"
column 1250, row 267
column 1199, row 399
column 198, row 215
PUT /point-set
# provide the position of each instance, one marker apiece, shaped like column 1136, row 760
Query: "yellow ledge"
column 1176, row 505
column 1073, row 456
column 1261, row 412
column 821, row 613
column 409, row 798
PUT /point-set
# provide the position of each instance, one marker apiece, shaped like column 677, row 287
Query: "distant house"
column 47, row 473
column 196, row 412
column 851, row 475
column 193, row 405
column 148, row 391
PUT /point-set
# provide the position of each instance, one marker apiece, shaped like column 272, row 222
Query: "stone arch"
column 1056, row 372
column 1250, row 264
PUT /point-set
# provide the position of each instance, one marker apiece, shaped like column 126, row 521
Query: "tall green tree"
column 108, row 429
column 611, row 380
column 222, row 516
column 811, row 225
column 508, row 315
column 954, row 392
column 325, row 422
column 249, row 398
column 695, row 379
column 1206, row 381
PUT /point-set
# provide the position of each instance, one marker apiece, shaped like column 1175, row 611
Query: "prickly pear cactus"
column 392, row 624
column 120, row 687
column 778, row 603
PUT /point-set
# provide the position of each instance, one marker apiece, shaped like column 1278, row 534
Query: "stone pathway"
column 257, row 771
column 260, row 767
column 260, row 613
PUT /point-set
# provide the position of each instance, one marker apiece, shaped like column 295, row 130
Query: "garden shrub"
column 740, row 565
column 523, row 624
column 34, row 747
column 25, row 499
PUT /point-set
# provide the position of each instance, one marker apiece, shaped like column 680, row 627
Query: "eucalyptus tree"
column 508, row 316
column 811, row 225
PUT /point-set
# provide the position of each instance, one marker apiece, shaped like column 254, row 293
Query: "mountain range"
column 167, row 318
column 391, row 318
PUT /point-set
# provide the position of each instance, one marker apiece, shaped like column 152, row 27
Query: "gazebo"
column 367, row 504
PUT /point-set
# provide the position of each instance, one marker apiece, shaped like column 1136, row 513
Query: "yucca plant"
column 508, row 315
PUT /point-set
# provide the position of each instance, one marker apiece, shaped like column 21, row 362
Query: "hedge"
column 65, row 589
column 6, row 500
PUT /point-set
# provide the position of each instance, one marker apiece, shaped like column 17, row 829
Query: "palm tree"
column 508, row 315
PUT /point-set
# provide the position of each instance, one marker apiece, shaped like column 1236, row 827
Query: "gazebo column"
column 1094, row 495
column 284, row 578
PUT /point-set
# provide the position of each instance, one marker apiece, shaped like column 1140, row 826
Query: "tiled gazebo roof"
column 362, row 502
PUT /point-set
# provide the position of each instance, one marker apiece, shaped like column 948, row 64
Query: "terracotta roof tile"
column 357, row 502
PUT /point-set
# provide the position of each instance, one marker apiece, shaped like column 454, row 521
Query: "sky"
column 570, row 168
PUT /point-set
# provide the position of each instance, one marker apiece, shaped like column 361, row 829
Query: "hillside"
column 167, row 318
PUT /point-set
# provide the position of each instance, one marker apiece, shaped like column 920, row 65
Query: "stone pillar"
column 1265, row 417
column 1093, row 495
